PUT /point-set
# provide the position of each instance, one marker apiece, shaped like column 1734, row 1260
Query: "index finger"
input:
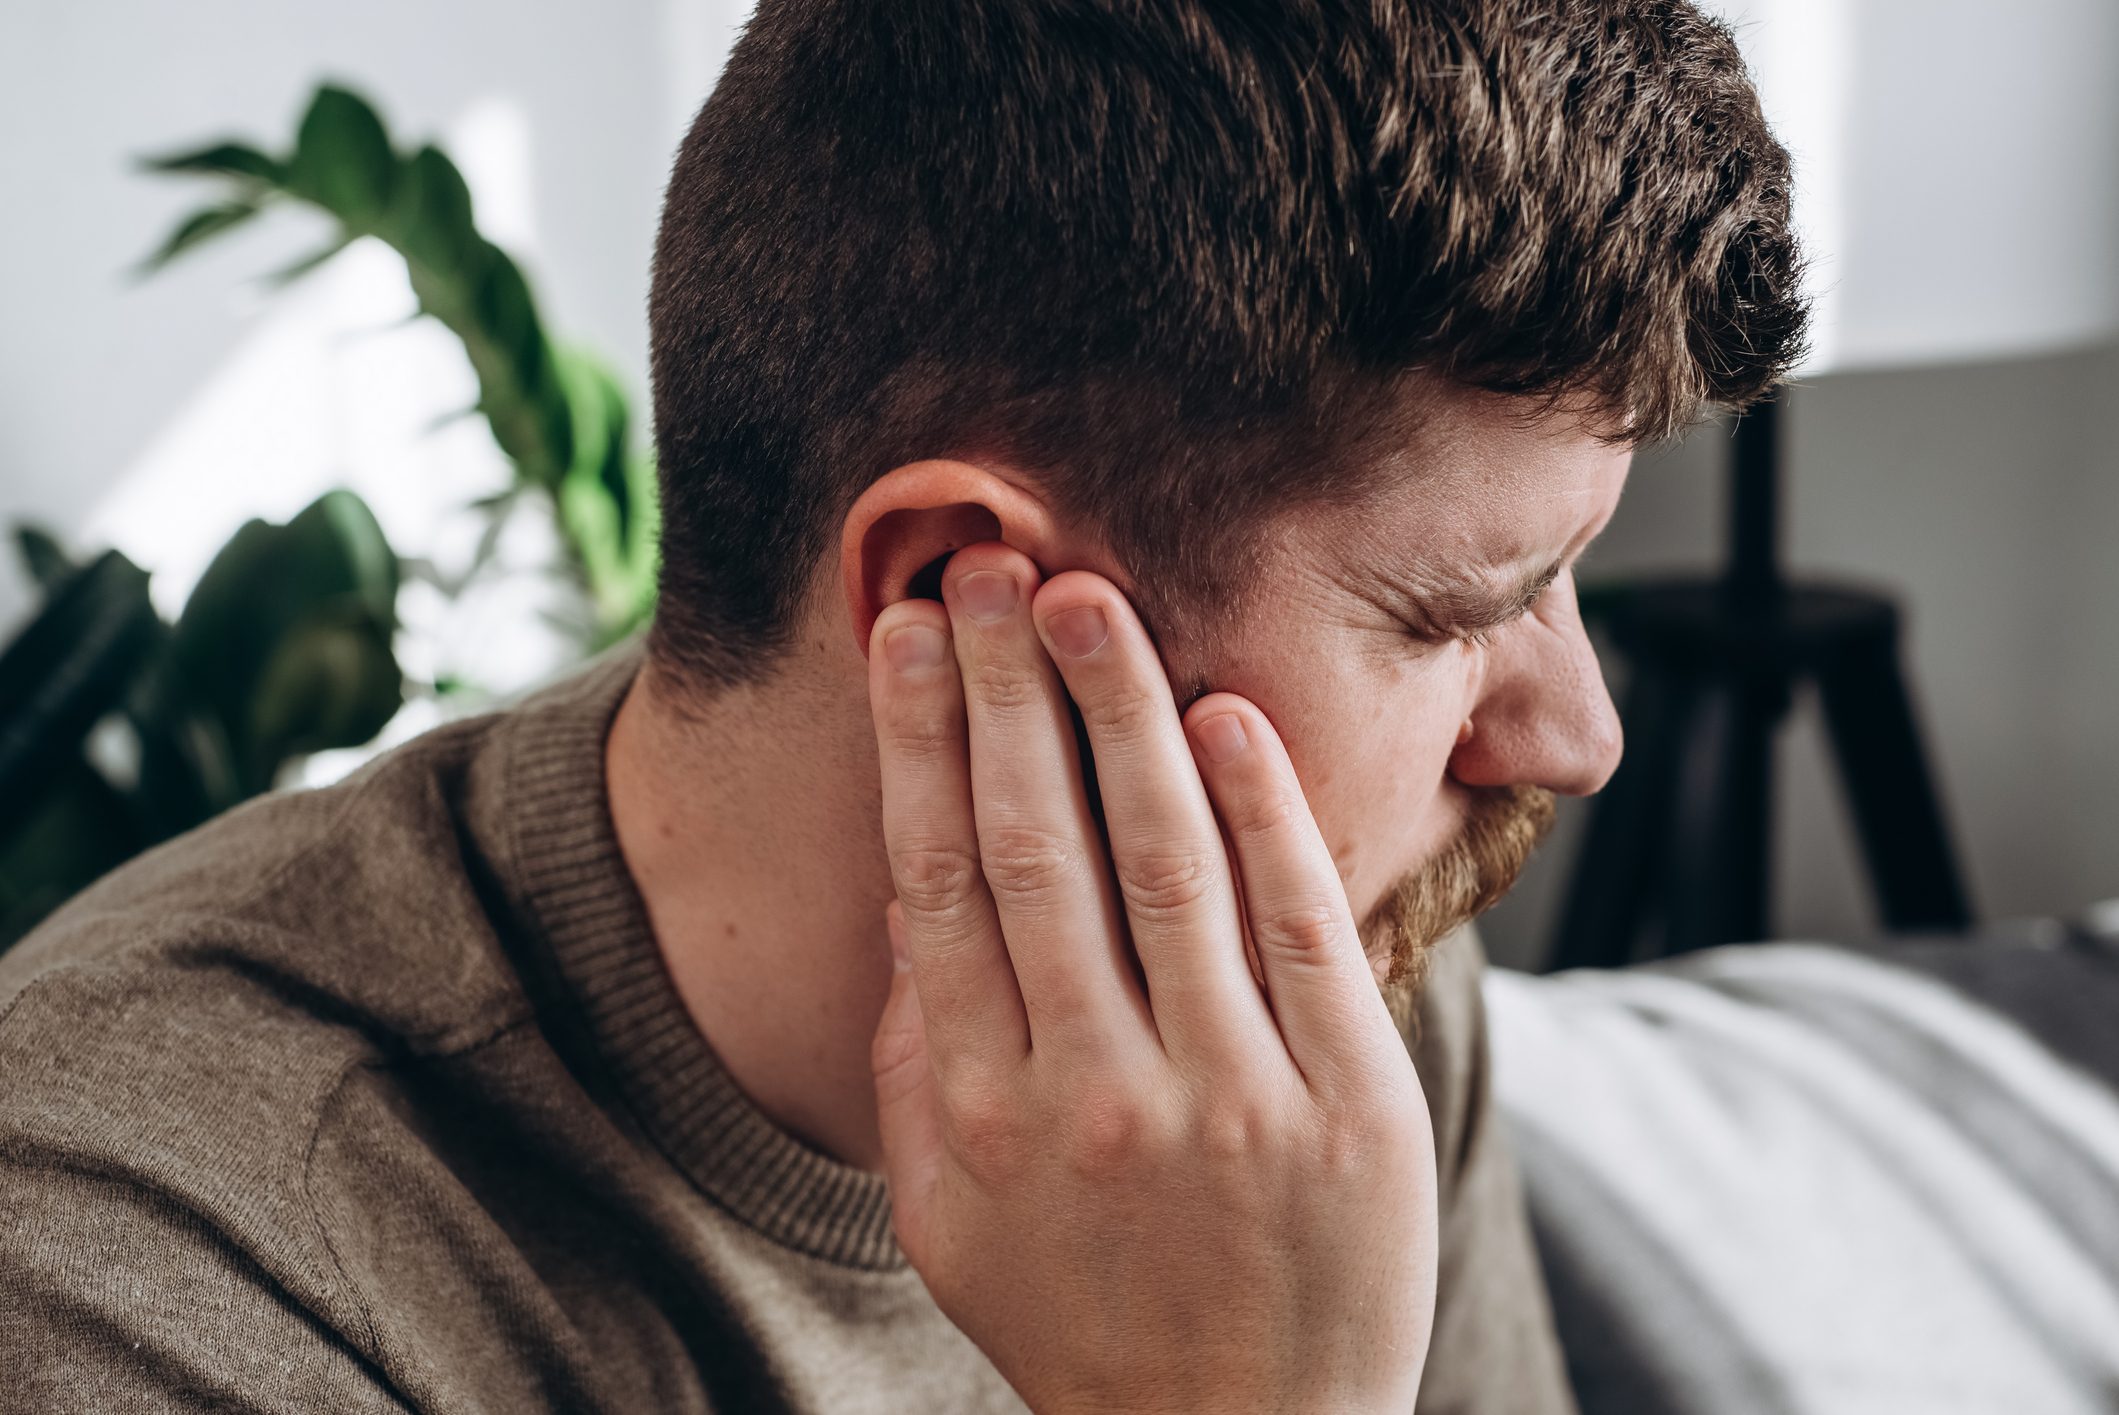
column 1166, row 847
column 1317, row 978
column 969, row 998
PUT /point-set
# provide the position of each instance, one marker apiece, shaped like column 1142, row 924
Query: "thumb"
column 907, row 1113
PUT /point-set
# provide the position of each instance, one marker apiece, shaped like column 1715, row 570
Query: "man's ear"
column 910, row 520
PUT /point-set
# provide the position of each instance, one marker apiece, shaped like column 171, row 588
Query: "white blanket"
column 1788, row 1178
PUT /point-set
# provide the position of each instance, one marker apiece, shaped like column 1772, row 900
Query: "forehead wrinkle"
column 1472, row 545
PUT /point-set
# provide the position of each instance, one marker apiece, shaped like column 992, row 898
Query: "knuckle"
column 934, row 879
column 1302, row 930
column 921, row 731
column 1027, row 860
column 1237, row 1128
column 1068, row 1001
column 894, row 1049
column 1165, row 880
column 1344, row 1144
column 1118, row 709
column 1005, row 683
column 1110, row 1134
column 1267, row 816
column 1368, row 1125
column 986, row 1129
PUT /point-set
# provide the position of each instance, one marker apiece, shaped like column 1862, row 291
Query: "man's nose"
column 1544, row 716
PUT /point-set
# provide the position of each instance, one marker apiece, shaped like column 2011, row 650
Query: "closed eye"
column 1478, row 623
column 1468, row 612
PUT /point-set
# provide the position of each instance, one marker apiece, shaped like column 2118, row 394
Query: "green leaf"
column 339, row 524
column 42, row 555
column 51, row 847
column 262, row 586
column 430, row 221
column 602, row 430
column 228, row 159
column 643, row 551
column 198, row 228
column 449, row 419
column 482, row 554
column 331, row 681
column 186, row 771
column 288, row 274
column 611, row 476
column 501, row 301
column 519, row 391
column 607, row 504
column 571, row 618
column 647, row 498
column 342, row 158
column 228, row 626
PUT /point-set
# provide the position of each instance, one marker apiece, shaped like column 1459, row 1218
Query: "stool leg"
column 1622, row 850
column 1720, row 863
column 1897, row 811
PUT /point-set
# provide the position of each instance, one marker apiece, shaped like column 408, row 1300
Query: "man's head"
column 1325, row 327
column 1434, row 682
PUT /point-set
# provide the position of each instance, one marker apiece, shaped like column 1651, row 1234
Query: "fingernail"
column 914, row 647
column 896, row 929
column 1079, row 632
column 987, row 595
column 1221, row 737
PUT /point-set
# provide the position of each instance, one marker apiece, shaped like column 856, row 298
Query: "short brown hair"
column 1177, row 256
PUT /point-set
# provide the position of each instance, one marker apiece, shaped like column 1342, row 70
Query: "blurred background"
column 1952, row 444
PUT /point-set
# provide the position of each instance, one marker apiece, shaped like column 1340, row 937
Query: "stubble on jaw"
column 1467, row 878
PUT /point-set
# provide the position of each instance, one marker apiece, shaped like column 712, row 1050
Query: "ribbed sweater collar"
column 584, row 902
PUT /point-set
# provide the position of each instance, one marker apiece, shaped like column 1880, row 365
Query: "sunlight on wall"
column 1956, row 171
column 1801, row 55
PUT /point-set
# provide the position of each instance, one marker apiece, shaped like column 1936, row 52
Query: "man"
column 1248, row 380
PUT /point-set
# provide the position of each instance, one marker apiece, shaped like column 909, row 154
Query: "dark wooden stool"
column 1679, row 846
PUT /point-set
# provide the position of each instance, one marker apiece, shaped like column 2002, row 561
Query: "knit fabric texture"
column 378, row 1097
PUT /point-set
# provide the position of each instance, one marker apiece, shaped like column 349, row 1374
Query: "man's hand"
column 1145, row 1186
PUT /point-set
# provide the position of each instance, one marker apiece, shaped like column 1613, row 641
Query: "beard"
column 1468, row 877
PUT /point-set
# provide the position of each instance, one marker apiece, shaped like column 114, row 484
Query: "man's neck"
column 753, row 829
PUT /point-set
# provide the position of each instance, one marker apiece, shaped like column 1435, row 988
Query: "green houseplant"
column 556, row 410
column 282, row 649
column 285, row 646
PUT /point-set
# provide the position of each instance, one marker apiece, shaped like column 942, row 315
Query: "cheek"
column 1371, row 744
column 1391, row 810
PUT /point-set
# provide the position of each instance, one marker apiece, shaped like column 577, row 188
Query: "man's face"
column 1422, row 656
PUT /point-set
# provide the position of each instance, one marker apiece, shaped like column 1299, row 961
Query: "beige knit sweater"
column 378, row 1097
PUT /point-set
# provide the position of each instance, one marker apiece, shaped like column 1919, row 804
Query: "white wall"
column 93, row 367
column 1988, row 497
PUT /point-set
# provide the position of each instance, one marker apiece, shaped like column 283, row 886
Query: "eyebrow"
column 1471, row 608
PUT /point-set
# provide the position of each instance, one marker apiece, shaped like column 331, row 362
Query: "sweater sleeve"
column 1494, row 1350
column 114, row 1296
